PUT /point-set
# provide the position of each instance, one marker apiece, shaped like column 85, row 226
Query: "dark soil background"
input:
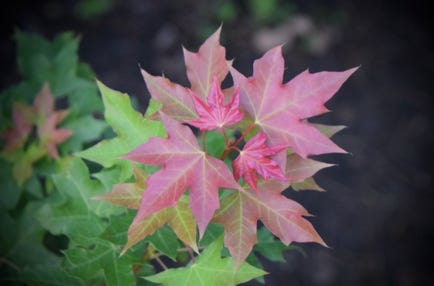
column 376, row 215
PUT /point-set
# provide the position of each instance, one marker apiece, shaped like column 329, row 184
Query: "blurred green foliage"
column 269, row 12
column 88, row 9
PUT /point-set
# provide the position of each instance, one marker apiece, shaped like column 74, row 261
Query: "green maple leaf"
column 268, row 246
column 84, row 129
column 127, row 195
column 40, row 60
column 209, row 270
column 179, row 218
column 22, row 246
column 96, row 259
column 70, row 210
column 48, row 275
column 10, row 190
column 131, row 127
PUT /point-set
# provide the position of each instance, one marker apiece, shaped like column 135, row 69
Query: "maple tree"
column 244, row 183
column 189, row 180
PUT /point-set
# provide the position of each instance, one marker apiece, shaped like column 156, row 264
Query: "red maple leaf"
column 184, row 166
column 241, row 211
column 43, row 115
column 215, row 114
column 17, row 135
column 279, row 109
column 201, row 67
column 208, row 62
column 50, row 136
column 255, row 156
column 47, row 119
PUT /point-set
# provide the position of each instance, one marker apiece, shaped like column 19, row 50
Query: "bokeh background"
column 376, row 215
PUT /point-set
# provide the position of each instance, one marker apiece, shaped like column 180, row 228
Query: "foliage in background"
column 268, row 12
column 56, row 90
column 112, row 220
column 88, row 9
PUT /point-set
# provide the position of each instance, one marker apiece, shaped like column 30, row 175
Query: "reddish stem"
column 203, row 141
column 245, row 133
column 233, row 145
column 226, row 138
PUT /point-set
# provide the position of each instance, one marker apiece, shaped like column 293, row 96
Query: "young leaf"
column 255, row 156
column 42, row 115
column 241, row 210
column 130, row 126
column 208, row 62
column 51, row 136
column 278, row 109
column 216, row 115
column 47, row 120
column 185, row 165
column 209, row 270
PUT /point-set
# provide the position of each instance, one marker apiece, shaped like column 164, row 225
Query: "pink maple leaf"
column 255, row 156
column 43, row 115
column 279, row 109
column 16, row 135
column 47, row 120
column 284, row 217
column 207, row 63
column 51, row 136
column 201, row 67
column 216, row 115
column 184, row 166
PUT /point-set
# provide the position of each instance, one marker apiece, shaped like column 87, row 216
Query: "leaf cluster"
column 218, row 177
column 85, row 205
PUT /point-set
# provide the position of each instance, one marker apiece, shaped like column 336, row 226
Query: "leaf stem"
column 203, row 141
column 190, row 252
column 185, row 249
column 245, row 133
column 227, row 143
column 157, row 257
column 233, row 145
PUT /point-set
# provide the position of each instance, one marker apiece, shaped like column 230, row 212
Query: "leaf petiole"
column 203, row 141
column 157, row 258
column 233, row 145
column 244, row 134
